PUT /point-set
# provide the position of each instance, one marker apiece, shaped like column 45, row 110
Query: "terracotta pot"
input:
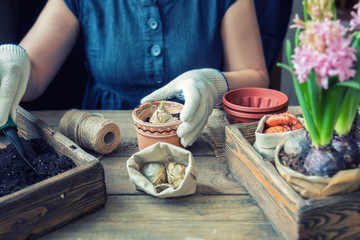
column 150, row 133
column 251, row 104
column 244, row 117
column 257, row 100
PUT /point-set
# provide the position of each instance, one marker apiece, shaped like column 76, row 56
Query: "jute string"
column 90, row 130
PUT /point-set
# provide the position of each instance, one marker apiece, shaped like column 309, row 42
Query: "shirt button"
column 156, row 50
column 158, row 78
column 153, row 23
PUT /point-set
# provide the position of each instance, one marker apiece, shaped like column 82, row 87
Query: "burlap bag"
column 265, row 143
column 345, row 181
column 163, row 152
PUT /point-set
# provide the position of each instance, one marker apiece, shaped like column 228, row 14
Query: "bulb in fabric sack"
column 154, row 172
column 161, row 115
column 175, row 173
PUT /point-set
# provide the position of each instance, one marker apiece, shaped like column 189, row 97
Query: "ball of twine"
column 90, row 130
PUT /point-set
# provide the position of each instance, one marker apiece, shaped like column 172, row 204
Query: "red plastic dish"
column 255, row 100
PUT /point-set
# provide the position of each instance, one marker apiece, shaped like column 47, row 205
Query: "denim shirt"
column 134, row 47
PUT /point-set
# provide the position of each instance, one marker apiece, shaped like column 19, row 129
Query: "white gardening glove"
column 202, row 90
column 14, row 75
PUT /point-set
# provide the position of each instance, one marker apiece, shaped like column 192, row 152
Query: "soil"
column 16, row 174
column 297, row 164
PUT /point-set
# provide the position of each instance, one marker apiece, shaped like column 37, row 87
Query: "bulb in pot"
column 298, row 144
column 323, row 161
column 161, row 115
column 154, row 172
column 348, row 149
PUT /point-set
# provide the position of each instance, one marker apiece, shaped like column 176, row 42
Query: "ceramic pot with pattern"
column 149, row 133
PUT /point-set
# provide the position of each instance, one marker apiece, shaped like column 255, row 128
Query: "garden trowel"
column 25, row 151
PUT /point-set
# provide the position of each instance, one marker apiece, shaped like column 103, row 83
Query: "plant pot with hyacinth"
column 325, row 68
column 328, row 92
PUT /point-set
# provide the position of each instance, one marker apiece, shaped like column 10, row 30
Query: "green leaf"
column 289, row 52
column 314, row 98
column 310, row 125
column 355, row 43
column 305, row 90
column 333, row 8
column 333, row 80
column 296, row 38
column 332, row 101
column 305, row 10
column 351, row 84
column 285, row 67
column 348, row 109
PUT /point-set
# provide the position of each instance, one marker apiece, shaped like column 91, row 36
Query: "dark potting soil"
column 297, row 164
column 294, row 163
column 16, row 174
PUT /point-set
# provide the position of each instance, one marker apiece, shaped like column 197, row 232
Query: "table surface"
column 220, row 209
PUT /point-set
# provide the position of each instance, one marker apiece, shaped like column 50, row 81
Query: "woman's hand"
column 201, row 89
column 14, row 75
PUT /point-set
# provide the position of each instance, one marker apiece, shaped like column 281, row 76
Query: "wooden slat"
column 264, row 183
column 31, row 127
column 334, row 217
column 128, row 140
column 49, row 204
column 220, row 209
column 53, row 202
column 193, row 217
column 213, row 177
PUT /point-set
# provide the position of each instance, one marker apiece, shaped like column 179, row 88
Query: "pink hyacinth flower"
column 355, row 21
column 323, row 48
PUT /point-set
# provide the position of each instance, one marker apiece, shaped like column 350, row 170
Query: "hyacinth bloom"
column 355, row 21
column 324, row 48
column 325, row 68
column 319, row 9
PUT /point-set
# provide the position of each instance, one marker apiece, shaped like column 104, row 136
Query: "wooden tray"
column 334, row 217
column 54, row 202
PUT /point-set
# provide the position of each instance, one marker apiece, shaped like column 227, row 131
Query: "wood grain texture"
column 334, row 217
column 214, row 178
column 259, row 177
column 49, row 205
column 220, row 209
column 192, row 217
column 56, row 201
column 128, row 140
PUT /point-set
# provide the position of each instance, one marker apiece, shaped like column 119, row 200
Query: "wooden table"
column 220, row 209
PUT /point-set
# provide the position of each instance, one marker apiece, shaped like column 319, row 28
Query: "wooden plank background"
column 220, row 209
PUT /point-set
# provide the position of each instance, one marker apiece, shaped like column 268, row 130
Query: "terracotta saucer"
column 255, row 100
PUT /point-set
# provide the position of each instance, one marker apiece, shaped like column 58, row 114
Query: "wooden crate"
column 56, row 201
column 334, row 217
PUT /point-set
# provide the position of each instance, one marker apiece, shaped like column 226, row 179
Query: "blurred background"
column 66, row 91
column 17, row 16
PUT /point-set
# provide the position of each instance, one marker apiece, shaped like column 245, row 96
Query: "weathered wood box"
column 334, row 217
column 56, row 201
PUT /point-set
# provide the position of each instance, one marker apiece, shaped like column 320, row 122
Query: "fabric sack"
column 163, row 153
column 265, row 143
column 345, row 181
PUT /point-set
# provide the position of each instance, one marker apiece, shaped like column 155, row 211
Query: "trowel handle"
column 9, row 123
